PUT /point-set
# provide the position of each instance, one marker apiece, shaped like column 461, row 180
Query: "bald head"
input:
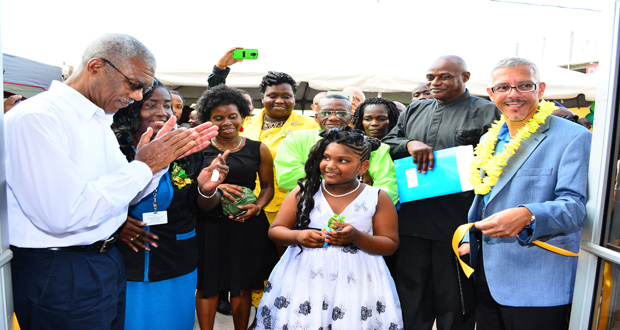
column 401, row 107
column 562, row 112
column 358, row 96
column 456, row 61
column 315, row 101
column 446, row 78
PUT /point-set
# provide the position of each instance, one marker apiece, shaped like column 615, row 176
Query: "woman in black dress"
column 235, row 253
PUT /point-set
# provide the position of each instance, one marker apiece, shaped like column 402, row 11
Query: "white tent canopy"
column 27, row 77
column 562, row 83
column 395, row 83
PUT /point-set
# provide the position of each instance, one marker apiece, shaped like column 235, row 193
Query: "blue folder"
column 449, row 175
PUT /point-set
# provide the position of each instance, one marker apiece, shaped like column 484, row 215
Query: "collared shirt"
column 503, row 138
column 67, row 181
column 294, row 151
column 440, row 125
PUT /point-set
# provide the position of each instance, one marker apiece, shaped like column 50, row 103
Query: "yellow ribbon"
column 462, row 230
column 458, row 236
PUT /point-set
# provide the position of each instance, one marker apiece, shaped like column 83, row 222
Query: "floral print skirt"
column 330, row 288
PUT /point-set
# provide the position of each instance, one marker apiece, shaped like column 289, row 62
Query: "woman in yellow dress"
column 275, row 122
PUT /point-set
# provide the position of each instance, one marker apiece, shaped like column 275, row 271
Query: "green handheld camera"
column 245, row 54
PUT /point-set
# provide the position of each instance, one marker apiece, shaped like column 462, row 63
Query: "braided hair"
column 276, row 78
column 391, row 108
column 126, row 122
column 311, row 183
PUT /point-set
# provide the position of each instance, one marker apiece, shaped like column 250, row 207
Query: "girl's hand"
column 134, row 236
column 347, row 235
column 252, row 210
column 310, row 238
column 230, row 191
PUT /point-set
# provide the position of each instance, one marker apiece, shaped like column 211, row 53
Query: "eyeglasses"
column 339, row 114
column 523, row 88
column 134, row 86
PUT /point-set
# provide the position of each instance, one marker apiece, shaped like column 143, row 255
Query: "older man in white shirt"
column 69, row 187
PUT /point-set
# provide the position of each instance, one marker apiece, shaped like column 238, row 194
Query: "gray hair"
column 117, row 47
column 512, row 62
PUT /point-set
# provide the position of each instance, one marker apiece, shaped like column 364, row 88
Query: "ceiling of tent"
column 27, row 77
column 571, row 88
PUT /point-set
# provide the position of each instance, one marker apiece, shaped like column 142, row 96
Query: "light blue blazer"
column 548, row 175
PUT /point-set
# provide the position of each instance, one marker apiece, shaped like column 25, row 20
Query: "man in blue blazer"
column 539, row 194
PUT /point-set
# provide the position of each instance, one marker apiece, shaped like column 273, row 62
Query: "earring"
column 241, row 129
column 359, row 177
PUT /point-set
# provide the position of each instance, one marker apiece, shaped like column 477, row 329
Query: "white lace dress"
column 337, row 287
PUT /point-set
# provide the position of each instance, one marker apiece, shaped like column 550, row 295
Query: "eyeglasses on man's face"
column 523, row 88
column 133, row 85
column 339, row 114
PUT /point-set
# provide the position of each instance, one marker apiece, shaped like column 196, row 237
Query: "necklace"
column 345, row 194
column 223, row 149
column 271, row 125
column 493, row 165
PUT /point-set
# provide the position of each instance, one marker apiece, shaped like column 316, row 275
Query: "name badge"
column 152, row 218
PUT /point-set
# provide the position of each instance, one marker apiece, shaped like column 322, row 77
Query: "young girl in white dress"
column 334, row 279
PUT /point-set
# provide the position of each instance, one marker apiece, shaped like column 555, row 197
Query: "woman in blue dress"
column 161, row 250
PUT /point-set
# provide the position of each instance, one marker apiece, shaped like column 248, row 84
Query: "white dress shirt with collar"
column 67, row 181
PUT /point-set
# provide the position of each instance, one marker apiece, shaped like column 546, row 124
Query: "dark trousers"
column 68, row 290
column 492, row 316
column 425, row 275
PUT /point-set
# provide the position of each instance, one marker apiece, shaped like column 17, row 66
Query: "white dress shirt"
column 68, row 183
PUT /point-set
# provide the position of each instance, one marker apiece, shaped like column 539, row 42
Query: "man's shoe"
column 223, row 307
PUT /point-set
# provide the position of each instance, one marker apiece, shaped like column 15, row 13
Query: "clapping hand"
column 170, row 145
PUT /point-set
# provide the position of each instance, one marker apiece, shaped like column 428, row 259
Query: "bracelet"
column 205, row 196
column 259, row 209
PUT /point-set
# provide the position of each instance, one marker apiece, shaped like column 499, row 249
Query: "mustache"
column 510, row 100
column 129, row 101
